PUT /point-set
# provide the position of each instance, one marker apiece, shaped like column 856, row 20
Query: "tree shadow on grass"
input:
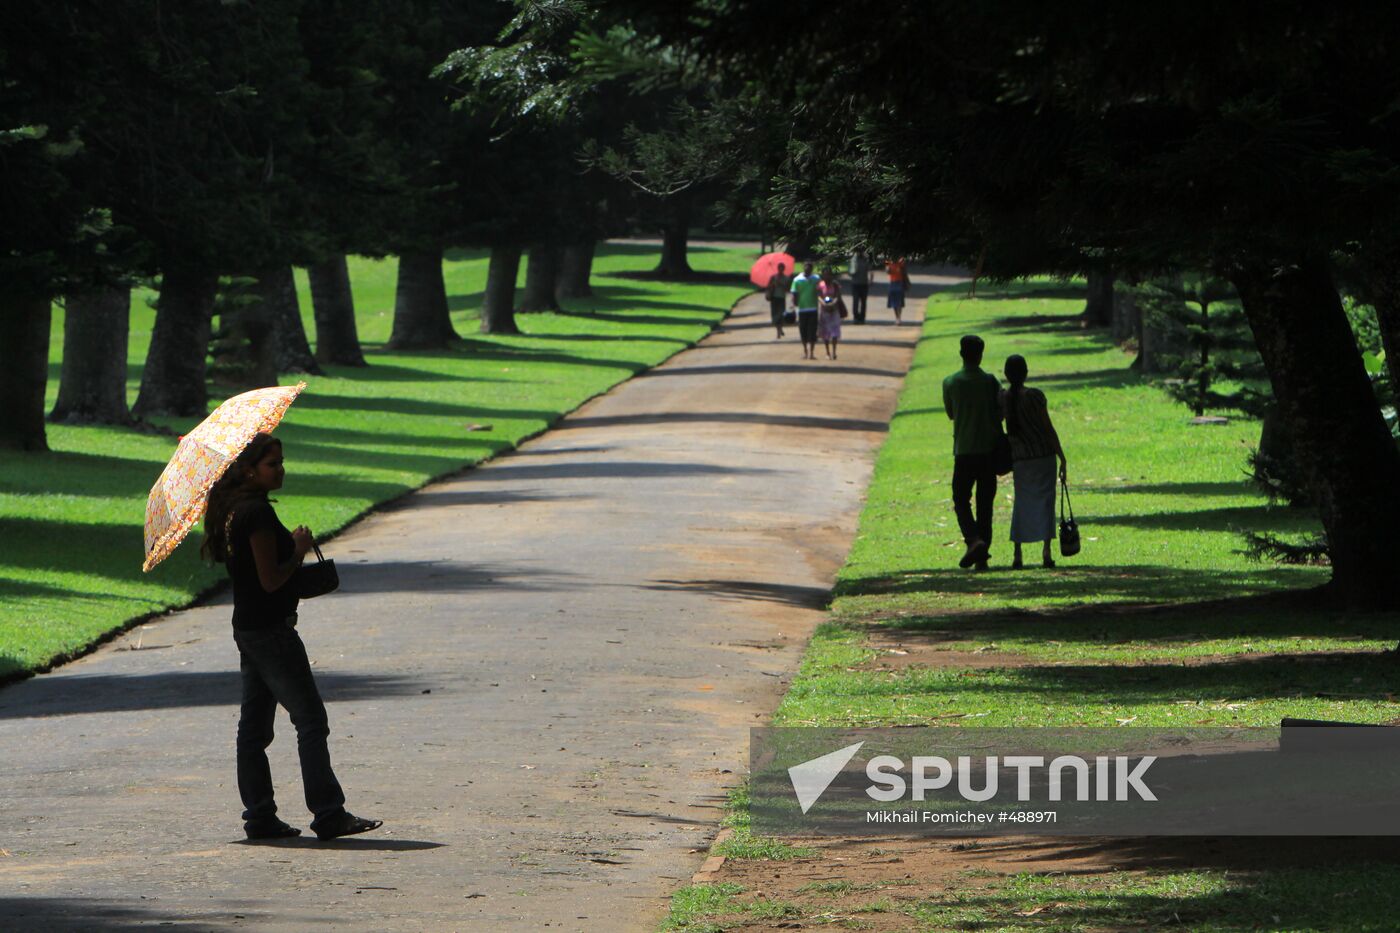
column 1320, row 890
column 1112, row 378
column 1252, row 518
column 1041, row 324
column 1306, row 613
column 1099, row 583
column 315, row 434
column 49, row 544
column 1357, row 676
column 72, row 473
column 412, row 406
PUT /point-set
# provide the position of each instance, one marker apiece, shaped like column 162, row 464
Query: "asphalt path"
column 539, row 673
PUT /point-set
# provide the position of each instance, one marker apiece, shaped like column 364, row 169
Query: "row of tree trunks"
column 422, row 320
column 1332, row 416
column 1098, row 309
column 498, row 303
column 575, row 270
column 92, row 386
column 92, row 381
column 173, row 379
column 333, row 305
column 541, row 277
column 24, row 368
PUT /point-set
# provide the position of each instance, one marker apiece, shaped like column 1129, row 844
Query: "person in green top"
column 970, row 397
column 804, row 299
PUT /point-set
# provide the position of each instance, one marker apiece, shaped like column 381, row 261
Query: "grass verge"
column 1160, row 621
column 71, row 519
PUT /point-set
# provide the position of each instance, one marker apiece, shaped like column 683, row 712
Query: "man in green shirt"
column 970, row 397
column 804, row 299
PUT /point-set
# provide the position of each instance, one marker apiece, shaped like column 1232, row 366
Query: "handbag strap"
column 317, row 549
column 1064, row 501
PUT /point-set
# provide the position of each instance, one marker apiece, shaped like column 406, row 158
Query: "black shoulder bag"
column 316, row 580
column 1069, row 529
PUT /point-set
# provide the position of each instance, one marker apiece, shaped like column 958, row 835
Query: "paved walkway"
column 540, row 674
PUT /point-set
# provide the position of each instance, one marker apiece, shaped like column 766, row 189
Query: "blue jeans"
column 276, row 670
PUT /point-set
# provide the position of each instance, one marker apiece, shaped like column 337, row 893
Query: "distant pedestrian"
column 971, row 396
column 1034, row 447
column 860, row 285
column 242, row 531
column 829, row 317
column 777, row 297
column 805, row 300
column 898, row 272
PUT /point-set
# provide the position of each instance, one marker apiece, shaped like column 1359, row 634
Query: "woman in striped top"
column 1034, row 447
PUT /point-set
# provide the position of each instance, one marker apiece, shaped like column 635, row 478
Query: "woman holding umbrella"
column 243, row 532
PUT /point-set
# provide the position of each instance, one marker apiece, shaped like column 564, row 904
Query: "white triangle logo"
column 811, row 778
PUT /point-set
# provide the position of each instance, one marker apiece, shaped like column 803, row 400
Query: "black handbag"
column 317, row 580
column 1069, row 528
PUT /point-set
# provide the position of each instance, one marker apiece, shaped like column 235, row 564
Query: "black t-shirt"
column 254, row 607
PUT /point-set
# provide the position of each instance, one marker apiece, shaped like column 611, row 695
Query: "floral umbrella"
column 178, row 498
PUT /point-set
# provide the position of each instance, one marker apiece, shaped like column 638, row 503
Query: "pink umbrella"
column 767, row 267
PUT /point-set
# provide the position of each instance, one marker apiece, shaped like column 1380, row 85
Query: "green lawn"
column 1160, row 621
column 70, row 519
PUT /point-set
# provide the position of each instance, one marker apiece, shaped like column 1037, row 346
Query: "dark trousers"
column 275, row 670
column 974, row 470
column 859, row 295
column 775, row 311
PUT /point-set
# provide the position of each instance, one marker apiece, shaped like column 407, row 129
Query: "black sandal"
column 273, row 830
column 346, row 824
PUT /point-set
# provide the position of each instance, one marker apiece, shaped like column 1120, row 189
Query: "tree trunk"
column 498, row 303
column 421, row 317
column 674, row 264
column 1127, row 319
column 278, row 288
column 541, row 274
column 333, row 304
column 24, row 369
column 1331, row 413
column 1098, row 311
column 172, row 381
column 574, row 271
column 92, row 386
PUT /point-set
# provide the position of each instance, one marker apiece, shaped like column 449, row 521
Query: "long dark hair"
column 228, row 493
column 1016, row 371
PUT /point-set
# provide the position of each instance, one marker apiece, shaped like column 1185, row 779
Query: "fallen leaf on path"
column 705, row 687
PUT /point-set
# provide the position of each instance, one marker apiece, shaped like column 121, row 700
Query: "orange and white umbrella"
column 178, row 498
